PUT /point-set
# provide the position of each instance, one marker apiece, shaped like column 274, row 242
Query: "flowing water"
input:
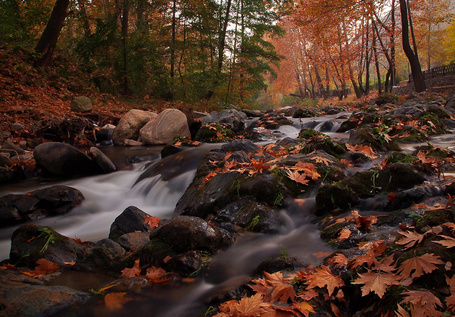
column 106, row 196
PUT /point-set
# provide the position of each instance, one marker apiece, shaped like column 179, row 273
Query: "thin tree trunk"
column 376, row 63
column 172, row 48
column 417, row 75
column 125, row 16
column 48, row 40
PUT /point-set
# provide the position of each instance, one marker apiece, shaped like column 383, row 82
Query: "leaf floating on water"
column 116, row 301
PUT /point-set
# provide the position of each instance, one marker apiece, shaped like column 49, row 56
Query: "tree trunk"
column 222, row 42
column 125, row 15
column 172, row 48
column 376, row 63
column 417, row 75
column 48, row 40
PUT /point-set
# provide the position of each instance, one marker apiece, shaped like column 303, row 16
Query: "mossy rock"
column 408, row 134
column 334, row 198
column 434, row 218
column 400, row 157
column 364, row 136
column 331, row 231
column 214, row 133
column 309, row 133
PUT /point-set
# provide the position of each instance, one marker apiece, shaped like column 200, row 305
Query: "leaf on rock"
column 410, row 239
column 297, row 177
column 156, row 275
column 344, row 235
column 377, row 282
column 251, row 306
column 131, row 272
column 423, row 303
column 450, row 300
column 418, row 266
column 115, row 301
column 323, row 277
column 319, row 159
column 44, row 267
column 304, row 307
column 448, row 242
column 153, row 222
column 363, row 223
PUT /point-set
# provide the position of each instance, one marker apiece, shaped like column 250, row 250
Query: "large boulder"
column 104, row 162
column 63, row 160
column 167, row 125
column 50, row 201
column 81, row 104
column 130, row 124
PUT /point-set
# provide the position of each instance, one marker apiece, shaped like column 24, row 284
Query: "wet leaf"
column 448, row 242
column 418, row 266
column 410, row 239
column 131, row 272
column 115, row 301
column 376, row 282
column 323, row 277
column 153, row 222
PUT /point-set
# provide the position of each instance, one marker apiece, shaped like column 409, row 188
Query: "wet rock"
column 106, row 254
column 335, row 198
column 273, row 121
column 129, row 285
column 169, row 150
column 50, row 201
column 275, row 264
column 31, row 242
column 36, row 300
column 183, row 233
column 102, row 160
column 450, row 104
column 302, row 113
column 5, row 161
column 234, row 119
column 134, row 240
column 130, row 124
column 169, row 124
column 409, row 197
column 240, row 145
column 63, row 160
column 189, row 263
column 252, row 216
column 130, row 220
column 317, row 141
column 81, row 104
column 408, row 134
column 393, row 178
column 252, row 113
column 104, row 135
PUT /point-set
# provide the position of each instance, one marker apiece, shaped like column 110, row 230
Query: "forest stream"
column 106, row 196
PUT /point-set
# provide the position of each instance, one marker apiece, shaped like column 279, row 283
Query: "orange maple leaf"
column 297, row 177
column 418, row 266
column 363, row 223
column 304, row 307
column 319, row 159
column 324, row 278
column 410, row 239
column 132, row 272
column 450, row 300
column 115, row 301
column 251, row 306
column 448, row 242
column 376, row 282
column 156, row 275
column 344, row 235
column 153, row 222
column 44, row 267
column 423, row 303
column 364, row 149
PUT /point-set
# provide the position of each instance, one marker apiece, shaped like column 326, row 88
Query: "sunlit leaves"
column 376, row 282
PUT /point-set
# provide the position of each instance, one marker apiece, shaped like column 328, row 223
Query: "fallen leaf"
column 410, row 239
column 115, row 301
column 156, row 275
column 153, row 222
column 376, row 282
column 44, row 267
column 304, row 307
column 324, row 278
column 423, row 303
column 250, row 306
column 448, row 242
column 344, row 235
column 131, row 272
column 419, row 265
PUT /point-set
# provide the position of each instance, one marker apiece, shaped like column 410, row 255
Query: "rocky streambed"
column 257, row 204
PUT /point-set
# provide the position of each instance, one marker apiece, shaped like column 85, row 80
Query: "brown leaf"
column 44, row 267
column 418, row 266
column 344, row 235
column 423, row 303
column 156, row 275
column 153, row 222
column 324, row 278
column 377, row 282
column 449, row 242
column 250, row 306
column 297, row 177
column 304, row 307
column 115, row 301
column 450, row 300
column 410, row 239
column 131, row 272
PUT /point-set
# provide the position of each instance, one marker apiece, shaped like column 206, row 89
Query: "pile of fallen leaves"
column 399, row 278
